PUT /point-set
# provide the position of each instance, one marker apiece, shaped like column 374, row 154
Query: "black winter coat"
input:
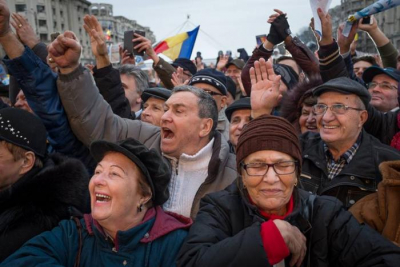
column 38, row 201
column 226, row 232
column 357, row 179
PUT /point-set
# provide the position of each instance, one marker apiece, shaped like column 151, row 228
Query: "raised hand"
column 368, row 27
column 326, row 23
column 145, row 45
column 4, row 19
column 24, row 30
column 97, row 38
column 65, row 52
column 223, row 60
column 177, row 78
column 265, row 94
column 126, row 57
column 344, row 43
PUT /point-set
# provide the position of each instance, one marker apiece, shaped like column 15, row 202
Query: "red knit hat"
column 268, row 133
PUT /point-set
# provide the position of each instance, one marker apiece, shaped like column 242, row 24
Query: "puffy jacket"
column 381, row 210
column 154, row 242
column 227, row 233
column 91, row 119
column 40, row 199
column 38, row 82
column 357, row 179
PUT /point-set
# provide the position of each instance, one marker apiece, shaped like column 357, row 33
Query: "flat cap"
column 157, row 92
column 345, row 86
column 243, row 103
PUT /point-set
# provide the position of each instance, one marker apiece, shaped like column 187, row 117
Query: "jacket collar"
column 362, row 160
column 156, row 223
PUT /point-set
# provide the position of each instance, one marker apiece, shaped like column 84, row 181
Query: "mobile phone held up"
column 129, row 45
column 366, row 20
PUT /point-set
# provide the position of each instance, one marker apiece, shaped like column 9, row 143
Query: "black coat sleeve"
column 381, row 125
column 211, row 241
column 331, row 63
column 109, row 83
column 348, row 242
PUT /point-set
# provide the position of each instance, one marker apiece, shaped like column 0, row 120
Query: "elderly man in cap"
column 153, row 104
column 383, row 85
column 37, row 190
column 343, row 159
column 239, row 115
column 233, row 69
column 214, row 83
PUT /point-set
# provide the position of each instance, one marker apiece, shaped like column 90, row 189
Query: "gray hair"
column 207, row 105
column 141, row 78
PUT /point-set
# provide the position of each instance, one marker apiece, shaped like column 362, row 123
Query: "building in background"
column 388, row 22
column 49, row 16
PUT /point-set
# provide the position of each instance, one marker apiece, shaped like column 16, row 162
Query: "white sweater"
column 188, row 173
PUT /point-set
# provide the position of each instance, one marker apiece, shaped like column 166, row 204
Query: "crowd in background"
column 252, row 161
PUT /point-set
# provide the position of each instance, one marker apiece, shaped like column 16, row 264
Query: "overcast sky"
column 224, row 24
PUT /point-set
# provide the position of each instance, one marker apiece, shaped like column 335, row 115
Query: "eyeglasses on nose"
column 261, row 168
column 383, row 85
column 320, row 109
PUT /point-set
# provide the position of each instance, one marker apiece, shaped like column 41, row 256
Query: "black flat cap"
column 185, row 64
column 345, row 86
column 238, row 63
column 243, row 103
column 157, row 92
column 371, row 72
column 150, row 162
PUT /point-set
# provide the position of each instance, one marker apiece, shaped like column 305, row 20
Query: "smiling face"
column 239, row 119
column 307, row 120
column 270, row 193
column 182, row 130
column 340, row 130
column 114, row 192
column 153, row 110
column 384, row 99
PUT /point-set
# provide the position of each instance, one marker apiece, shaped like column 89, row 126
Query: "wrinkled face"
column 153, row 109
column 218, row 96
column 131, row 92
column 270, row 193
column 384, row 99
column 360, row 67
column 340, row 130
column 307, row 120
column 181, row 126
column 239, row 119
column 22, row 103
column 114, row 191
column 233, row 72
column 9, row 168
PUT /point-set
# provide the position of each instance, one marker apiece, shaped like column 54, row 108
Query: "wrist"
column 343, row 50
column 68, row 70
column 326, row 41
column 32, row 44
column 5, row 36
column 268, row 45
column 102, row 61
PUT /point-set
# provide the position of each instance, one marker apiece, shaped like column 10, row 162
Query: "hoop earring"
column 140, row 208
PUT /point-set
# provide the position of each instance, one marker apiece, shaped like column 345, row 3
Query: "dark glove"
column 281, row 26
column 273, row 36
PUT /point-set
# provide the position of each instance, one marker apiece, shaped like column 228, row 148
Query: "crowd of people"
column 286, row 162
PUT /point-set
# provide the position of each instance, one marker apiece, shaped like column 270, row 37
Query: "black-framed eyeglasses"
column 320, row 109
column 384, row 86
column 261, row 168
column 212, row 93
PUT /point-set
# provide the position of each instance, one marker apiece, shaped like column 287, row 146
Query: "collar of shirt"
column 346, row 156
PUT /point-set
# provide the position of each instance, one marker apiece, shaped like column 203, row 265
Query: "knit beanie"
column 268, row 133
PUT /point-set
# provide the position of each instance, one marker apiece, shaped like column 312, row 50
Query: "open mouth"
column 167, row 133
column 102, row 198
column 330, row 127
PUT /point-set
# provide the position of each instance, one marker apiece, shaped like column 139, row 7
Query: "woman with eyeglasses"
column 262, row 219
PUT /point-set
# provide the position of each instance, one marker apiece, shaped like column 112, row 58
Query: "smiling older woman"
column 127, row 227
column 264, row 220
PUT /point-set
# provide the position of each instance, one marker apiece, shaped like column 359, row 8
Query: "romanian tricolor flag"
column 180, row 45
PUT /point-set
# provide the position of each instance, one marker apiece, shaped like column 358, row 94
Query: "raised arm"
column 385, row 48
column 90, row 117
column 106, row 77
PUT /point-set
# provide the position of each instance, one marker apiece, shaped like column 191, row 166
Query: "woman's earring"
column 295, row 183
column 140, row 208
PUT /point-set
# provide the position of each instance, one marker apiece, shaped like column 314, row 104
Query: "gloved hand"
column 281, row 26
column 273, row 36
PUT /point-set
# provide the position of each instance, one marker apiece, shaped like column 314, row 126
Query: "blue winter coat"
column 155, row 242
column 38, row 82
